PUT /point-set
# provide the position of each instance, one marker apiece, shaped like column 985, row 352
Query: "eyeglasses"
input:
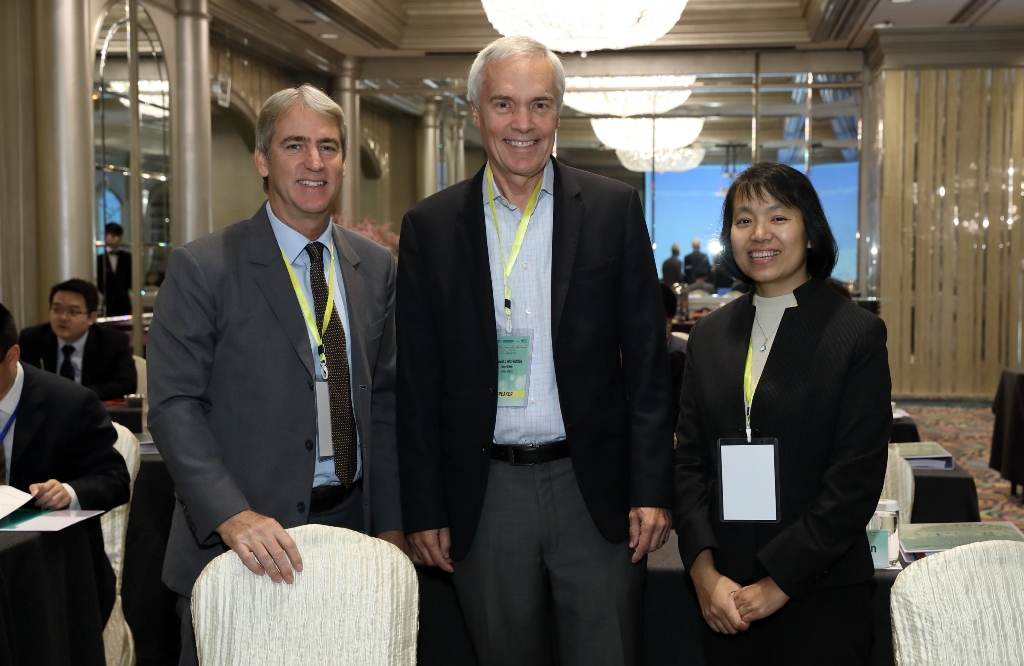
column 71, row 312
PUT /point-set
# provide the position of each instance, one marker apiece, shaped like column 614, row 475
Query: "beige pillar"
column 64, row 151
column 430, row 139
column 191, row 163
column 460, row 145
column 346, row 94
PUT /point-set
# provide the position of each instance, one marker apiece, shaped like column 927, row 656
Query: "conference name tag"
column 513, row 369
column 323, row 419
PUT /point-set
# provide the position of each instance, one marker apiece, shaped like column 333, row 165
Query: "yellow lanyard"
column 524, row 223
column 748, row 386
column 317, row 333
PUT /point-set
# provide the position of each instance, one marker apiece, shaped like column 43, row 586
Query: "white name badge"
column 323, row 420
column 749, row 479
column 513, row 369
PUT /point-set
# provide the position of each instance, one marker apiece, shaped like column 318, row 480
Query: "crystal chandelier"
column 585, row 25
column 636, row 133
column 626, row 95
column 672, row 159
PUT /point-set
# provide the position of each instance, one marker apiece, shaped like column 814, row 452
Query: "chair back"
column 962, row 606
column 118, row 643
column 899, row 484
column 356, row 602
column 142, row 387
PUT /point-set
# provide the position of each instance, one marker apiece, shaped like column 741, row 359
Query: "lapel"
column 48, row 352
column 729, row 368
column 355, row 291
column 796, row 337
column 472, row 239
column 30, row 418
column 567, row 220
column 272, row 278
column 89, row 358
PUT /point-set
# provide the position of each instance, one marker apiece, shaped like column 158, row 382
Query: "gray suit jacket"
column 232, row 405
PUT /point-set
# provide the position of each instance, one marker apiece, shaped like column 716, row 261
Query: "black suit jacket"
column 694, row 262
column 108, row 368
column 672, row 271
column 608, row 331
column 115, row 285
column 824, row 394
column 64, row 433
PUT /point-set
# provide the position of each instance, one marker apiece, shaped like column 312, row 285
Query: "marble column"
column 65, row 202
column 346, row 94
column 430, row 139
column 192, row 160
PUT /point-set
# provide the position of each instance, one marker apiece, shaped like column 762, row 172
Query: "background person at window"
column 114, row 271
column 74, row 346
column 792, row 591
column 672, row 268
column 694, row 261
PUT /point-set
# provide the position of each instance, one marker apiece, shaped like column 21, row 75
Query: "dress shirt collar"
column 547, row 186
column 292, row 242
column 78, row 344
column 13, row 397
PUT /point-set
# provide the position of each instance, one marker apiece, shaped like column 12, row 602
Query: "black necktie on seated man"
column 339, row 383
column 66, row 369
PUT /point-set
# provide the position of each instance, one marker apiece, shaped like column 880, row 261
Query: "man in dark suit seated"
column 58, row 441
column 73, row 346
column 114, row 272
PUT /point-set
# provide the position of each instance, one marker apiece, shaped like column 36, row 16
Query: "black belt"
column 325, row 498
column 518, row 454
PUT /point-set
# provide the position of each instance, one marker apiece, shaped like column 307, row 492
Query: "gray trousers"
column 541, row 581
column 348, row 514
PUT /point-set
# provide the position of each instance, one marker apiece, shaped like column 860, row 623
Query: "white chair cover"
column 143, row 388
column 117, row 636
column 356, row 602
column 963, row 606
column 899, row 484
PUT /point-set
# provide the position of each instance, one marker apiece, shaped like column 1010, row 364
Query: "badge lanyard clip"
column 318, row 332
column 524, row 224
column 748, row 388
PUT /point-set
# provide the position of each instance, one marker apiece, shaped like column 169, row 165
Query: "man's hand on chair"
column 262, row 545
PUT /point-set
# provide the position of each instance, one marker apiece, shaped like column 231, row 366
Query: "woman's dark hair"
column 790, row 188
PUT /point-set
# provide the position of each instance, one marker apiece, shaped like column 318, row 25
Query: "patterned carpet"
column 966, row 432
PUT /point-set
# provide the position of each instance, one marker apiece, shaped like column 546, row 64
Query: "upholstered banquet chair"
column 962, row 606
column 117, row 636
column 141, row 387
column 899, row 484
column 356, row 602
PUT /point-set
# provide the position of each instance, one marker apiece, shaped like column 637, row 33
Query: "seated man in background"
column 73, row 346
column 58, row 441
column 701, row 283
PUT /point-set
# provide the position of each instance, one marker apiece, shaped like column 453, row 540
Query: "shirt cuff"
column 74, row 497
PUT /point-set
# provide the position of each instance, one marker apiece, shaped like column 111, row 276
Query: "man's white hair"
column 516, row 46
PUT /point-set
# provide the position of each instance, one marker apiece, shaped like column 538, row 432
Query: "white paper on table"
column 12, row 499
column 54, row 521
column 900, row 413
column 748, row 482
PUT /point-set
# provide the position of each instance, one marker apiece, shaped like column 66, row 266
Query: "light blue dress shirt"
column 294, row 245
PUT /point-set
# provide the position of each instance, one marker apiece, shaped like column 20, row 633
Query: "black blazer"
column 608, row 330
column 64, row 433
column 824, row 394
column 693, row 262
column 115, row 285
column 108, row 368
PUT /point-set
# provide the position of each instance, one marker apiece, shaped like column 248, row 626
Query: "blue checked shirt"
column 530, row 282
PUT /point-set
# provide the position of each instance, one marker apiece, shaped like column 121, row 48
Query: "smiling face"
column 70, row 319
column 305, row 166
column 769, row 244
column 518, row 116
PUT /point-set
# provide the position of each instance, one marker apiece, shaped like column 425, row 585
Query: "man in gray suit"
column 272, row 366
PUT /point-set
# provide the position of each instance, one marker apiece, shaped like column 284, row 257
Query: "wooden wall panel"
column 951, row 245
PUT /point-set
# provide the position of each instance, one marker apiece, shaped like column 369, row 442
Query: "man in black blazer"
column 544, row 512
column 75, row 347
column 114, row 272
column 58, row 441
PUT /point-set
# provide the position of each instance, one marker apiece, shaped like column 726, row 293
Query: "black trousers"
column 831, row 626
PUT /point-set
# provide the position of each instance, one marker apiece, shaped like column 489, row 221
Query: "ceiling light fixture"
column 585, row 25
column 626, row 95
column 674, row 159
column 636, row 133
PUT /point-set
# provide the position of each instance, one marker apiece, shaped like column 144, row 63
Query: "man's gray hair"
column 308, row 96
column 515, row 46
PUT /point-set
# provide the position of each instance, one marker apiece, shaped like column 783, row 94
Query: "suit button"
column 302, row 507
column 309, row 445
column 492, row 390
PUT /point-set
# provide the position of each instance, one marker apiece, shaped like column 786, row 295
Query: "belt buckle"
column 512, row 459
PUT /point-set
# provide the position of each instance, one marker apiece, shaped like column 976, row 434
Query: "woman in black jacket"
column 795, row 590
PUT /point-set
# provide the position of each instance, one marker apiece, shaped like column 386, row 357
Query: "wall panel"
column 953, row 145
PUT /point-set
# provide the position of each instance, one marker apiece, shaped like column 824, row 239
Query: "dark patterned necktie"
column 343, row 423
column 66, row 369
